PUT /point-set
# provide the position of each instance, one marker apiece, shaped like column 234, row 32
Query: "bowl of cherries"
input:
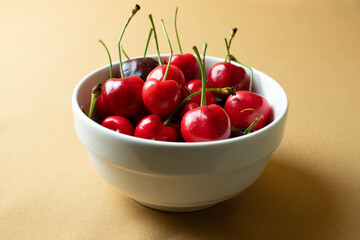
column 179, row 132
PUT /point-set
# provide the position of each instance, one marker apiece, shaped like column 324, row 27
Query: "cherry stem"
column 108, row 53
column 176, row 31
column 254, row 122
column 147, row 42
column 156, row 40
column 225, row 90
column 202, row 68
column 123, row 51
column 227, row 51
column 95, row 93
column 232, row 35
column 232, row 58
column 132, row 14
column 171, row 50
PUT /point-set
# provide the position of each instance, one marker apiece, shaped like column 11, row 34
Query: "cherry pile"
column 164, row 100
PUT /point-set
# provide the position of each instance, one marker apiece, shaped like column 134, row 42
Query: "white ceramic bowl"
column 179, row 176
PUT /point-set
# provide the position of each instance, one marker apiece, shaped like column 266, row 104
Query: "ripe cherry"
column 152, row 127
column 119, row 124
column 140, row 67
column 187, row 63
column 195, row 85
column 174, row 73
column 122, row 95
column 162, row 97
column 235, row 105
column 225, row 74
column 188, row 106
column 205, row 123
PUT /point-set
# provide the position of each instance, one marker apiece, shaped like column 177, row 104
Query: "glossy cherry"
column 195, row 85
column 187, row 107
column 205, row 123
column 224, row 74
column 140, row 67
column 123, row 96
column 235, row 105
column 187, row 63
column 174, row 73
column 119, row 124
column 161, row 97
column 152, row 127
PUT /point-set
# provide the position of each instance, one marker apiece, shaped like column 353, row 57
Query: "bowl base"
column 176, row 209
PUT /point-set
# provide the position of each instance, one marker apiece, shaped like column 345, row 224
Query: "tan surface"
column 311, row 187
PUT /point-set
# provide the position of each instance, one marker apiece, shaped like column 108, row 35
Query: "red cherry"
column 119, row 124
column 174, row 73
column 101, row 109
column 244, row 100
column 224, row 74
column 187, row 63
column 152, row 127
column 161, row 97
column 188, row 107
column 122, row 96
column 206, row 123
column 195, row 85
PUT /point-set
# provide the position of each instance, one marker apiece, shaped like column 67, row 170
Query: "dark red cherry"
column 140, row 67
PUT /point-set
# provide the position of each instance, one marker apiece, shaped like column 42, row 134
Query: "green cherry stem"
column 132, row 14
column 227, row 51
column 176, row 31
column 232, row 58
column 232, row 35
column 108, row 53
column 202, row 68
column 171, row 50
column 123, row 51
column 254, row 122
column 147, row 42
column 95, row 93
column 225, row 90
column 156, row 40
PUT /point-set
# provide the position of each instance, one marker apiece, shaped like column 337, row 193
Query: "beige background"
column 311, row 187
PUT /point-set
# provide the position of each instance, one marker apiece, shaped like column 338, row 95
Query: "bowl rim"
column 132, row 139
